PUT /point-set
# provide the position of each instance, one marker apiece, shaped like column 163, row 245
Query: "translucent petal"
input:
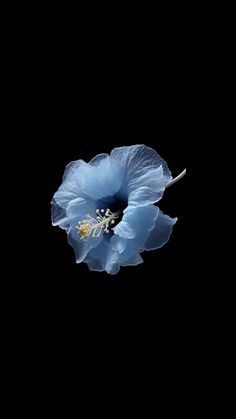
column 118, row 243
column 81, row 247
column 103, row 257
column 137, row 223
column 101, row 177
column 133, row 260
column 69, row 189
column 160, row 233
column 102, row 180
column 81, row 207
column 70, row 181
column 94, row 263
column 146, row 174
column 76, row 209
column 142, row 221
column 59, row 216
column 106, row 258
column 125, row 230
column 138, row 157
column 113, row 269
column 62, row 197
column 146, row 189
column 97, row 159
column 152, row 230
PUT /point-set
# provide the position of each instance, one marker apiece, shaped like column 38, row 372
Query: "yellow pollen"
column 84, row 230
column 98, row 225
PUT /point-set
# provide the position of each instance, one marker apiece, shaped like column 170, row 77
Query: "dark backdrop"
column 74, row 106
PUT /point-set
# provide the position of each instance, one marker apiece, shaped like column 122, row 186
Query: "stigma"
column 102, row 223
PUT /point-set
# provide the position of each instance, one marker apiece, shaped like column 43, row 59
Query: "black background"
column 73, row 102
column 72, row 115
column 76, row 110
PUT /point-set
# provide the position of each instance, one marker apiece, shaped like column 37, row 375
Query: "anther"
column 98, row 225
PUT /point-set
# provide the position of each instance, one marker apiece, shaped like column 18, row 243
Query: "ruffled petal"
column 68, row 219
column 125, row 230
column 100, row 178
column 98, row 158
column 80, row 207
column 152, row 230
column 76, row 209
column 136, row 224
column 118, row 243
column 160, row 233
column 133, row 260
column 146, row 174
column 103, row 258
column 59, row 216
column 81, row 247
column 63, row 197
column 142, row 221
column 70, row 188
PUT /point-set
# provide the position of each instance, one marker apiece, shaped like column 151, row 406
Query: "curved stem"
column 182, row 174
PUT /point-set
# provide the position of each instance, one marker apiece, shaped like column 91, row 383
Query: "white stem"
column 182, row 174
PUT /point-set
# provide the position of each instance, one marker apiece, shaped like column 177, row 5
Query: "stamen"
column 101, row 223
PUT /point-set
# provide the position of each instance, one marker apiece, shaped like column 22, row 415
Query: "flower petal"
column 160, row 233
column 80, row 207
column 70, row 189
column 103, row 179
column 103, row 258
column 76, row 209
column 68, row 219
column 59, row 217
column 133, row 260
column 100, row 178
column 81, row 247
column 146, row 174
column 142, row 221
column 136, row 224
column 118, row 243
column 63, row 197
column 97, row 159
column 124, row 230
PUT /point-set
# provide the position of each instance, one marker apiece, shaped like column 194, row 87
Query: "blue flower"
column 107, row 207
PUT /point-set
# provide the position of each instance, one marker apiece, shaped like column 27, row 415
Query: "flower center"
column 102, row 223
